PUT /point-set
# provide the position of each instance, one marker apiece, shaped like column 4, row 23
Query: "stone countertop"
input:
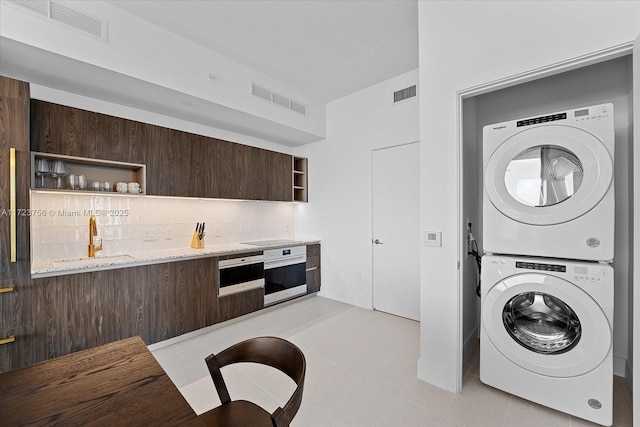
column 58, row 267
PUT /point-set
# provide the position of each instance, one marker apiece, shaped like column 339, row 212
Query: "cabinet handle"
column 12, row 202
column 11, row 339
column 7, row 289
column 311, row 268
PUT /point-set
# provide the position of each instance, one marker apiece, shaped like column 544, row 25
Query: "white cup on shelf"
column 121, row 187
column 134, row 188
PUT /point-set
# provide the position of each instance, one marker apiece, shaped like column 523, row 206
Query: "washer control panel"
column 577, row 272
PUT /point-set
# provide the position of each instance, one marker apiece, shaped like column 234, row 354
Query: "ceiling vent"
column 278, row 99
column 406, row 93
column 63, row 15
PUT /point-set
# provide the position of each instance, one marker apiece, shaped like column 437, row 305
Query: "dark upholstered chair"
column 270, row 351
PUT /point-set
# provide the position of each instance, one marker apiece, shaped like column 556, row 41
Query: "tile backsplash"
column 143, row 223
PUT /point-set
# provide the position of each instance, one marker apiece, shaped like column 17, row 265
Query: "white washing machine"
column 548, row 185
column 546, row 333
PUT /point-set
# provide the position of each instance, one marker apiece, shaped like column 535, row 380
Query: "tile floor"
column 361, row 371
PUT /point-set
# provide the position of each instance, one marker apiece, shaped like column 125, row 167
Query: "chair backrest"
column 271, row 351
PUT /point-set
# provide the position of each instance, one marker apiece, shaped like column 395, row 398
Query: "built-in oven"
column 240, row 274
column 284, row 273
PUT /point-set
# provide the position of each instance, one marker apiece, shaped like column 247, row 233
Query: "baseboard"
column 470, row 342
column 437, row 375
column 346, row 297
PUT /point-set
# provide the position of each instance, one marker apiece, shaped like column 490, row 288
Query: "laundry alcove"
column 600, row 81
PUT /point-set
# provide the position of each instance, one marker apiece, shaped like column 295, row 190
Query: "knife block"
column 197, row 243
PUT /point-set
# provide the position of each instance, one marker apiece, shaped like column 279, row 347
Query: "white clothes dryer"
column 548, row 185
column 547, row 333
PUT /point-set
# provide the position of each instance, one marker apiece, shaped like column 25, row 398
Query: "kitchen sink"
column 86, row 261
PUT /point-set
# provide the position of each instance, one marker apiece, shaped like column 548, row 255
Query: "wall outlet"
column 433, row 238
column 148, row 235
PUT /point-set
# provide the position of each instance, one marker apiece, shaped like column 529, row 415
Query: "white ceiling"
column 326, row 48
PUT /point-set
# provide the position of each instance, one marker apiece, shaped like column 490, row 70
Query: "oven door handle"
column 285, row 262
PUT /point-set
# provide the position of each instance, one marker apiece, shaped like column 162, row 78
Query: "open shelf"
column 94, row 170
column 300, row 193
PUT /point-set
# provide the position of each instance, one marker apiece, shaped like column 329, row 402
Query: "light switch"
column 433, row 238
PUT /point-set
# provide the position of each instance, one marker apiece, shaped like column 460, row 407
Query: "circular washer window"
column 544, row 175
column 541, row 323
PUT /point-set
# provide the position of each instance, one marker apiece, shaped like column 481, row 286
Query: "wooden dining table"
column 115, row 384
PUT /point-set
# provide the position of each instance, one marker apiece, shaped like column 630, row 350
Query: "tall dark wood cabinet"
column 15, row 284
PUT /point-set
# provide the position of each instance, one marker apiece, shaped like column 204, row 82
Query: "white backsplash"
column 60, row 222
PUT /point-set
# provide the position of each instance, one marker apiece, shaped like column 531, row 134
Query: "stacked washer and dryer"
column 547, row 281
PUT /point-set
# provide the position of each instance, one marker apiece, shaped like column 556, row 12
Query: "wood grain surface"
column 178, row 163
column 115, row 384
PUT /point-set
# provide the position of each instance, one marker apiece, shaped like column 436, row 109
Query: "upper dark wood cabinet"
column 178, row 163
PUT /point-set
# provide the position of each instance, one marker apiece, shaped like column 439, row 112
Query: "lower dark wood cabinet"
column 313, row 268
column 239, row 304
column 49, row 317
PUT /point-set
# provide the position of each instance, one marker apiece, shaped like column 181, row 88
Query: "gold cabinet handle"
column 12, row 202
column 7, row 289
column 11, row 339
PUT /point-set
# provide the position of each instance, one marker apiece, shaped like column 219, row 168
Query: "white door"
column 396, row 230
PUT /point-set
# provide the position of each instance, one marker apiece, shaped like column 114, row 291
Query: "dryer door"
column 548, row 174
column 546, row 325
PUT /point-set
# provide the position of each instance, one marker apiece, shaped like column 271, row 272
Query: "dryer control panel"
column 593, row 113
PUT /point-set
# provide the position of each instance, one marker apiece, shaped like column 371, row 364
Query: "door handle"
column 378, row 242
column 12, row 204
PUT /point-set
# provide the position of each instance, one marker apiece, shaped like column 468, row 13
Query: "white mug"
column 134, row 187
column 121, row 187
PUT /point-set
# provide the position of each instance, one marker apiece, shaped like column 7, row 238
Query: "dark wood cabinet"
column 156, row 302
column 235, row 305
column 179, row 297
column 313, row 268
column 14, row 134
column 178, row 163
column 15, row 323
column 15, row 283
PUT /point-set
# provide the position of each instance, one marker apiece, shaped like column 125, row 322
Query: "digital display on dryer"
column 541, row 119
column 580, row 113
column 543, row 267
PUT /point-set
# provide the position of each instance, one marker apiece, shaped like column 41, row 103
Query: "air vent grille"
column 40, row 7
column 66, row 16
column 278, row 99
column 406, row 93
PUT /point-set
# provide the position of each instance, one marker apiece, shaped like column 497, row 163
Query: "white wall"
column 339, row 208
column 139, row 49
column 464, row 44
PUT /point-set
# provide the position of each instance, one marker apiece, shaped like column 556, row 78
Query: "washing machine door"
column 546, row 325
column 548, row 174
